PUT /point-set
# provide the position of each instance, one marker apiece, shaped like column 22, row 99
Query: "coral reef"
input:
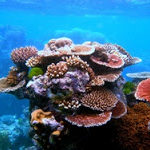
column 80, row 86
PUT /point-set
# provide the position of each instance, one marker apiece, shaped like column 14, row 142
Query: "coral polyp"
column 69, row 86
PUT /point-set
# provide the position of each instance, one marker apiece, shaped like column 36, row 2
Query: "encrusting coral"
column 70, row 85
column 132, row 129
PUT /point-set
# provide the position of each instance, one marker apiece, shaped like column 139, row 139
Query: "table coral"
column 143, row 90
column 79, row 86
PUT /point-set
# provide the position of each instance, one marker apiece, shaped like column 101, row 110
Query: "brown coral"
column 96, row 81
column 89, row 120
column 33, row 61
column 77, row 62
column 101, row 100
column 132, row 129
column 14, row 76
column 57, row 70
column 5, row 87
column 110, row 76
column 38, row 115
column 55, row 44
column 20, row 55
column 143, row 90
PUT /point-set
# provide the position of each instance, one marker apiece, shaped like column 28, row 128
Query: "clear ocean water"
column 34, row 22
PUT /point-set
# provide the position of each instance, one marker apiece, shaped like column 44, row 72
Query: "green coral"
column 35, row 72
column 128, row 88
column 5, row 143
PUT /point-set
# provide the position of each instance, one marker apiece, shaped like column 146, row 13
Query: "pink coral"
column 20, row 55
column 143, row 90
column 112, row 61
column 89, row 120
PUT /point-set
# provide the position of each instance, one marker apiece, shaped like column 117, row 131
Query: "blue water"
column 34, row 22
column 123, row 22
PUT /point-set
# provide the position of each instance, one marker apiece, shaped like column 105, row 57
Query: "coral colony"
column 68, row 85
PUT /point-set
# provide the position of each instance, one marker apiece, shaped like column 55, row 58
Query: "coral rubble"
column 69, row 86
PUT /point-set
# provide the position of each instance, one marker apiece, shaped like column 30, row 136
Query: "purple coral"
column 38, row 85
column 74, row 81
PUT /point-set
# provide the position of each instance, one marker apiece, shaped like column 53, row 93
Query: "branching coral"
column 33, row 61
column 20, row 55
column 57, row 70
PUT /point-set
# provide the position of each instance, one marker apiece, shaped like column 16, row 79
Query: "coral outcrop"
column 79, row 86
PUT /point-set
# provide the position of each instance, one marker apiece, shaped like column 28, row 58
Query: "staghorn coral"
column 132, row 129
column 20, row 55
column 143, row 90
column 101, row 100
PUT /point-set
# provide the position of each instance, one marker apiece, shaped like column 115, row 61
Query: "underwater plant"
column 35, row 71
column 79, row 86
column 128, row 87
